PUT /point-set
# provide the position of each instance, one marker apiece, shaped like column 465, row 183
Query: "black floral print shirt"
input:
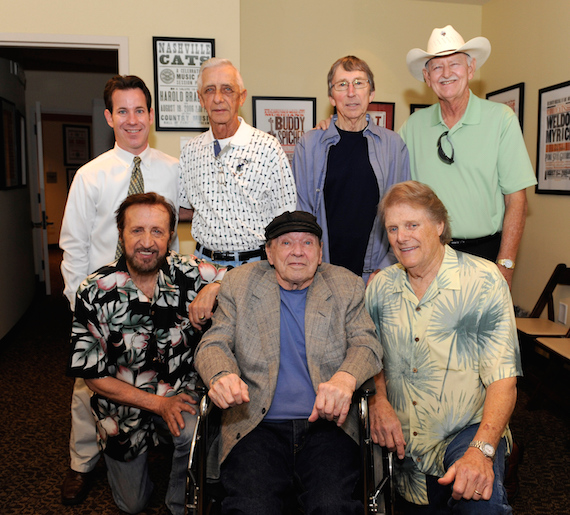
column 118, row 333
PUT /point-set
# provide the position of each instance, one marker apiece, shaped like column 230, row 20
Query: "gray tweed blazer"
column 244, row 339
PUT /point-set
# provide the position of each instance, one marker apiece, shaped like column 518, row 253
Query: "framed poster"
column 286, row 118
column 553, row 141
column 417, row 107
column 76, row 144
column 513, row 96
column 176, row 66
column 382, row 114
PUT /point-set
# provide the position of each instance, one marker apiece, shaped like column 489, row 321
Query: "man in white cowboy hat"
column 469, row 151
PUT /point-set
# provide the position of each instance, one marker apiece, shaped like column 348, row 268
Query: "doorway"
column 50, row 61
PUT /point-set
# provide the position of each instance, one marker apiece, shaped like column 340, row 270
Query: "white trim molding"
column 119, row 43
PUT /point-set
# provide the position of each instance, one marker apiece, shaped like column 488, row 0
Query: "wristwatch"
column 486, row 448
column 507, row 263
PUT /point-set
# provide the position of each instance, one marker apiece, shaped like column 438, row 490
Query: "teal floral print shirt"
column 118, row 333
column 440, row 355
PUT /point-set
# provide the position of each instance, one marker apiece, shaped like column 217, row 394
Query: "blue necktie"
column 217, row 148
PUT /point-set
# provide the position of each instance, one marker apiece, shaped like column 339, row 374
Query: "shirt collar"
column 447, row 277
column 239, row 139
column 332, row 131
column 127, row 157
column 471, row 116
column 165, row 281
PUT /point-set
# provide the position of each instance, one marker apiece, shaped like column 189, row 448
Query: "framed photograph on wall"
column 176, row 66
column 513, row 96
column 286, row 118
column 76, row 144
column 417, row 107
column 382, row 114
column 553, row 141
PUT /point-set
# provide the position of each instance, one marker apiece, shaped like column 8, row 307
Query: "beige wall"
column 287, row 48
column 139, row 22
column 531, row 44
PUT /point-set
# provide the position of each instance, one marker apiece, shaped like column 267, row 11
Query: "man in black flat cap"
column 290, row 342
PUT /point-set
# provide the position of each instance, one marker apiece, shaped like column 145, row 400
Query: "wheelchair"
column 376, row 477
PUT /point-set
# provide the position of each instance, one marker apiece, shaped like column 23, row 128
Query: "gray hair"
column 350, row 63
column 214, row 62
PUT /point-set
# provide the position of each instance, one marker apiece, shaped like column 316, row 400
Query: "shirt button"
column 415, row 433
column 418, row 459
column 415, row 370
column 414, row 403
column 418, row 309
column 416, row 339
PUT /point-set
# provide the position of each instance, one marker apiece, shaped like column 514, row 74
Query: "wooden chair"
column 533, row 326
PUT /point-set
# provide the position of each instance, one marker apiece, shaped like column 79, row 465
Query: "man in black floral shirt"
column 133, row 344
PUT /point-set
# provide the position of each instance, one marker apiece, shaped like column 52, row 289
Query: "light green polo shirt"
column 491, row 161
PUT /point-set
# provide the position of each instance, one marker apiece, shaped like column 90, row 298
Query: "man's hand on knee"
column 171, row 409
column 228, row 390
column 334, row 398
column 472, row 476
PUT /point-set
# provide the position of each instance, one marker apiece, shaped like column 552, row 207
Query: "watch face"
column 488, row 449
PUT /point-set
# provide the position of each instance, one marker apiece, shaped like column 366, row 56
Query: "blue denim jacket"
column 389, row 159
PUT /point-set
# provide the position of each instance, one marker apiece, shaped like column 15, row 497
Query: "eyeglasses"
column 357, row 83
column 441, row 153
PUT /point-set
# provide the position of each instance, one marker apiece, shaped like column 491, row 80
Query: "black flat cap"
column 296, row 221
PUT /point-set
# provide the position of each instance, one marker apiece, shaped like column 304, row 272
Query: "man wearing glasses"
column 470, row 151
column 342, row 172
column 234, row 177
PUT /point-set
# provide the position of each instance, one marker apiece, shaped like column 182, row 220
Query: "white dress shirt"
column 89, row 233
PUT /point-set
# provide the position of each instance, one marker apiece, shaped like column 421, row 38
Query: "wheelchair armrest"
column 200, row 387
column 367, row 389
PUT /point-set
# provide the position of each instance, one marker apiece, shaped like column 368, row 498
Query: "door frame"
column 76, row 41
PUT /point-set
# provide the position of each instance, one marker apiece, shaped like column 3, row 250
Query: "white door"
column 39, row 220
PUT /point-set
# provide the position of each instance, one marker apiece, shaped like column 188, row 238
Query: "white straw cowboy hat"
column 444, row 42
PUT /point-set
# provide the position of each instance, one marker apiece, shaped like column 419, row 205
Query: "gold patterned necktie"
column 137, row 183
column 135, row 186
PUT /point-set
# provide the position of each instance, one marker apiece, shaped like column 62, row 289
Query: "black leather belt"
column 474, row 241
column 230, row 256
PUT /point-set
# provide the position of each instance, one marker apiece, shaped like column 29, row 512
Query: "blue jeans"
column 234, row 263
column 440, row 500
column 131, row 485
column 265, row 468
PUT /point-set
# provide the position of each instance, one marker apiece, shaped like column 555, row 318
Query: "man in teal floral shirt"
column 451, row 357
column 133, row 343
